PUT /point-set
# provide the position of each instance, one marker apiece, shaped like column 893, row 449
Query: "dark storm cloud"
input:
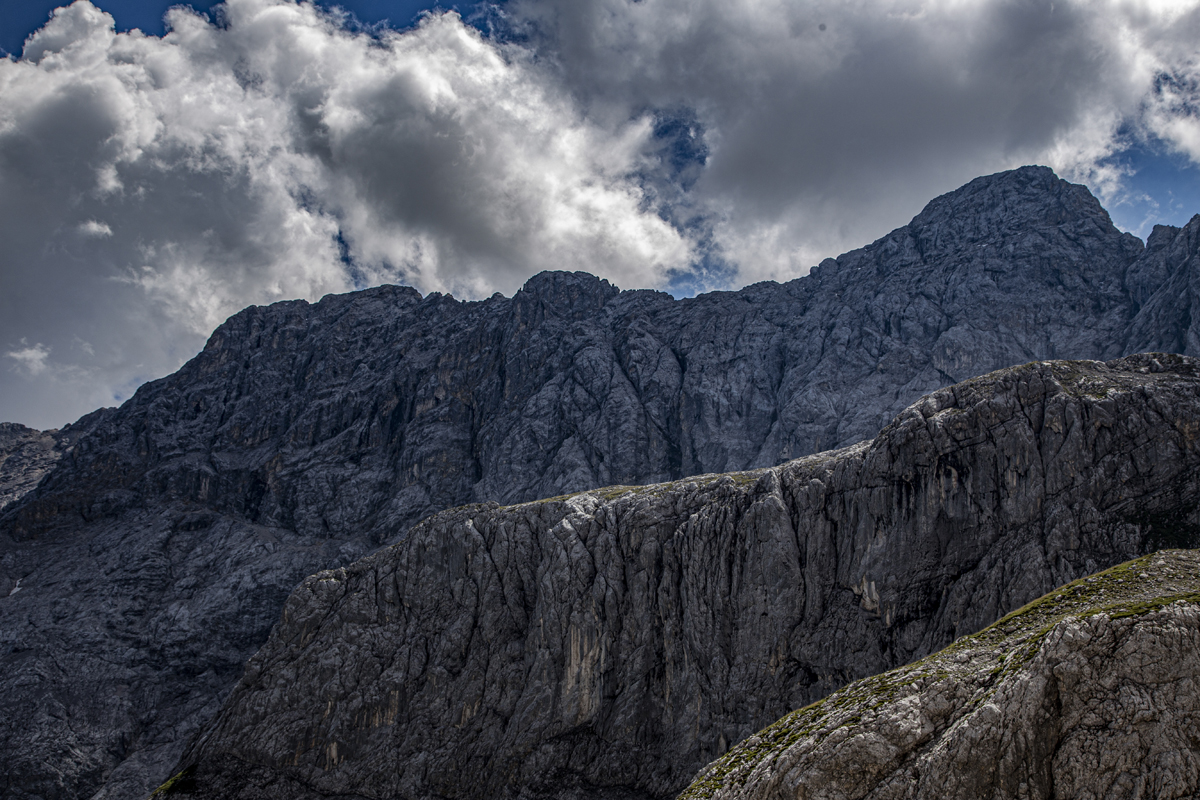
column 830, row 123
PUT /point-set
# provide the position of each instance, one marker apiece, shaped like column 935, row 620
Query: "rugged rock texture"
column 1089, row 692
column 372, row 410
column 155, row 556
column 1165, row 282
column 610, row 643
column 25, row 456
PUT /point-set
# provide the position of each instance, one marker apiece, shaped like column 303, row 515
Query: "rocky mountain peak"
column 1166, row 284
column 159, row 551
column 1016, row 199
column 575, row 295
column 1161, row 236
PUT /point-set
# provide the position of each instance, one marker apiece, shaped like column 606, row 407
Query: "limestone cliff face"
column 155, row 556
column 1089, row 692
column 374, row 409
column 608, row 644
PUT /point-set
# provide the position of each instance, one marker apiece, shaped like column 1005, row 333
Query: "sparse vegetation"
column 182, row 782
column 1136, row 587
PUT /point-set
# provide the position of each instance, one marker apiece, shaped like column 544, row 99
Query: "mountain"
column 25, row 456
column 1089, row 691
column 154, row 557
column 609, row 644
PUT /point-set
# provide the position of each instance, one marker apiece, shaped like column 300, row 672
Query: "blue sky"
column 153, row 185
column 19, row 18
column 1162, row 187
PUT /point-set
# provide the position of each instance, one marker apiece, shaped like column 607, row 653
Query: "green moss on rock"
column 1136, row 587
column 181, row 783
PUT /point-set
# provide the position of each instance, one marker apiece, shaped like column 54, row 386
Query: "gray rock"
column 610, row 643
column 1169, row 319
column 25, row 456
column 156, row 555
column 1089, row 692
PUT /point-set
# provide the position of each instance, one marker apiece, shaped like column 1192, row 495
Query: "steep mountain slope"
column 1090, row 691
column 1165, row 282
column 571, row 384
column 608, row 644
column 154, row 558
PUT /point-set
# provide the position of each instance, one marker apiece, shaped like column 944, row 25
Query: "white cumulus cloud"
column 95, row 229
column 154, row 185
column 30, row 358
column 279, row 155
column 831, row 122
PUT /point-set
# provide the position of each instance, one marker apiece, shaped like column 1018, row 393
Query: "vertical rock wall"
column 611, row 643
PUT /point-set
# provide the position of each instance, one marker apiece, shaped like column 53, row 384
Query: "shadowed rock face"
column 1165, row 282
column 1088, row 692
column 156, row 555
column 377, row 408
column 609, row 644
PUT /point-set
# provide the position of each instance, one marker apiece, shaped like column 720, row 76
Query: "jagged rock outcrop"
column 25, row 456
column 155, row 556
column 375, row 409
column 1165, row 282
column 1089, row 692
column 610, row 643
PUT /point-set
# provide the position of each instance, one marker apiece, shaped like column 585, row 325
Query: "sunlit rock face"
column 1088, row 692
column 25, row 456
column 154, row 558
column 610, row 643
